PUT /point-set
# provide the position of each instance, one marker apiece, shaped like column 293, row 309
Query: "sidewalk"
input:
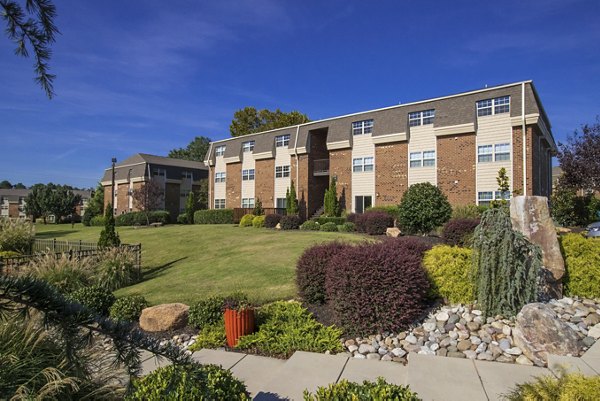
column 432, row 377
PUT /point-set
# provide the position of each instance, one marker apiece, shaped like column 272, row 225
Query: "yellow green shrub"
column 582, row 262
column 569, row 387
column 246, row 221
column 448, row 268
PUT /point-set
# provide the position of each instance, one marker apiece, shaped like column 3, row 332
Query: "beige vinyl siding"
column 248, row 163
column 363, row 183
column 422, row 139
column 220, row 189
column 282, row 158
column 491, row 130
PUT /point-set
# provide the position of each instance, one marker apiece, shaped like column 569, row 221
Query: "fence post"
column 80, row 245
column 54, row 245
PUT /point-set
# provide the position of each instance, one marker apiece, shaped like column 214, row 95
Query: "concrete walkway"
column 432, row 377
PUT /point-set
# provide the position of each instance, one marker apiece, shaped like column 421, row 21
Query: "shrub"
column 392, row 210
column 397, row 285
column 568, row 387
column 505, row 265
column 236, row 301
column 291, row 222
column 108, row 236
column 312, row 268
column 96, row 298
column 210, row 336
column 347, row 227
column 374, row 223
column 258, row 209
column 143, row 218
column 16, row 235
column 582, row 263
column 310, row 225
column 214, row 216
column 459, row 232
column 367, row 391
column 182, row 219
column 258, row 221
column 351, row 217
column 116, row 268
column 128, row 308
column 206, row 312
column 331, row 205
column 271, row 220
column 449, row 270
column 423, row 207
column 9, row 254
column 331, row 227
column 288, row 327
column 336, row 220
column 190, row 382
column 97, row 221
column 66, row 274
column 246, row 220
column 466, row 212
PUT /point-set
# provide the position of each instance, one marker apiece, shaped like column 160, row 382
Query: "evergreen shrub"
column 108, row 236
column 290, row 222
column 182, row 219
column 392, row 210
column 214, row 216
column 210, row 336
column 206, row 312
column 95, row 298
column 459, row 232
column 97, row 221
column 258, row 221
column 374, row 222
column 246, row 220
column 423, row 208
column 142, row 218
column 310, row 225
column 470, row 211
column 568, row 387
column 271, row 220
column 582, row 263
column 324, row 219
column 128, row 308
column 378, row 287
column 331, row 227
column 349, row 391
column 347, row 227
column 449, row 270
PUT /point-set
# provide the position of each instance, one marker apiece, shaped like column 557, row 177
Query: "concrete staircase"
column 318, row 213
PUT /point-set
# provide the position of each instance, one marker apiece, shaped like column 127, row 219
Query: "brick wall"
column 391, row 173
column 264, row 181
column 13, row 210
column 456, row 168
column 122, row 198
column 340, row 165
column 233, row 186
column 518, row 160
column 107, row 196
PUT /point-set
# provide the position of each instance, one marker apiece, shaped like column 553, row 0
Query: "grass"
column 185, row 263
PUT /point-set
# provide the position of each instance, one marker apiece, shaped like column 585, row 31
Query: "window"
column 248, row 175
column 497, row 105
column 220, row 150
column 158, row 172
column 362, row 127
column 429, row 158
column 187, row 174
column 184, row 193
column 362, row 203
column 247, row 203
column 415, row 159
column 421, row 118
column 422, row 159
column 282, row 171
column 502, row 151
column 486, row 197
column 361, row 164
column 247, row 146
column 282, row 140
column 281, row 203
column 219, row 203
column 484, row 153
column 220, row 177
column 368, row 164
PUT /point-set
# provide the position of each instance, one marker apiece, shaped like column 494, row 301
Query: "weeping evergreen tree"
column 505, row 265
column 330, row 202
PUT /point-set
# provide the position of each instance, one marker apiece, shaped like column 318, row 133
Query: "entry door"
column 362, row 203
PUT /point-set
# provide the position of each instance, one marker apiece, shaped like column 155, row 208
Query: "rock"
column 495, row 350
column 463, row 345
column 473, row 326
column 411, row 339
column 506, row 330
column 382, row 351
column 588, row 341
column 441, row 352
column 429, row 326
column 350, row 342
column 401, row 336
column 352, row 348
column 594, row 332
column 412, row 348
column 399, row 352
column 592, row 319
column 374, row 356
column 278, row 226
column 514, row 351
column 505, row 359
column 392, row 232
column 442, row 317
column 452, row 319
column 539, row 332
column 530, row 216
column 481, row 348
column 360, row 356
column 445, row 342
column 475, row 340
column 164, row 317
column 366, row 349
column 463, row 335
column 453, row 354
column 434, row 347
column 485, row 356
column 504, row 344
column 470, row 354
column 386, row 358
column 477, row 312
column 523, row 360
column 453, row 335
column 426, row 351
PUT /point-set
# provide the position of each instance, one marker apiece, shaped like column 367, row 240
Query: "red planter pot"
column 237, row 324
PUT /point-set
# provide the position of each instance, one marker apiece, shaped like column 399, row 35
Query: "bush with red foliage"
column 459, row 232
column 374, row 223
column 271, row 220
column 290, row 222
column 378, row 287
column 311, row 269
column 352, row 217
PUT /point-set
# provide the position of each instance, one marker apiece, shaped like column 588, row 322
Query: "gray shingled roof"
column 13, row 195
column 136, row 166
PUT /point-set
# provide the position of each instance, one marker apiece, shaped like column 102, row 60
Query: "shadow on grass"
column 54, row 234
column 158, row 271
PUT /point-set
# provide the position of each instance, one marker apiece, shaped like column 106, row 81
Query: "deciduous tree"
column 579, row 158
column 148, row 197
column 250, row 120
column 195, row 150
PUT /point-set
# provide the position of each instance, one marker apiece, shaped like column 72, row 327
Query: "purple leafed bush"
column 459, row 232
column 374, row 223
column 351, row 218
column 311, row 269
column 271, row 220
column 290, row 222
column 378, row 287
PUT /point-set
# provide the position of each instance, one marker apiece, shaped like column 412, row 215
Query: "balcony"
column 321, row 167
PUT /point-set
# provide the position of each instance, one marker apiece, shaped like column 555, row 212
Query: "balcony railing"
column 321, row 167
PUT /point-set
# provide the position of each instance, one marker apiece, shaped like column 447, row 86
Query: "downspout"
column 296, row 152
column 524, row 134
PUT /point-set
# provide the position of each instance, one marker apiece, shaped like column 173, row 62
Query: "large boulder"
column 392, row 232
column 164, row 317
column 530, row 216
column 539, row 331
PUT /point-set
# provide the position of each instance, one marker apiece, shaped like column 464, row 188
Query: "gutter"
column 296, row 153
column 524, row 138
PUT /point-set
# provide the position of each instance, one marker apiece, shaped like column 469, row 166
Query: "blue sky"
column 148, row 76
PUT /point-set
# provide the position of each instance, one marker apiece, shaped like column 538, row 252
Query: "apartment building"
column 176, row 177
column 12, row 203
column 457, row 142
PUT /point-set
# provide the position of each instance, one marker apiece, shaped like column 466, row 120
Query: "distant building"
column 176, row 177
column 12, row 203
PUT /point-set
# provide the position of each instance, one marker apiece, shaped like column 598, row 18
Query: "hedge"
column 214, row 216
column 449, row 269
column 582, row 263
column 459, row 232
column 290, row 222
column 139, row 218
column 271, row 220
column 374, row 222
column 246, row 220
column 336, row 220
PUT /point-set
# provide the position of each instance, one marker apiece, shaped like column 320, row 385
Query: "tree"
column 195, row 150
column 61, row 202
column 579, row 158
column 503, row 188
column 19, row 185
column 36, row 201
column 258, row 209
column 33, row 26
column 570, row 209
column 330, row 201
column 190, row 207
column 148, row 197
column 250, row 120
column 202, row 194
column 108, row 236
column 291, row 200
column 5, row 184
column 423, row 208
column 95, row 206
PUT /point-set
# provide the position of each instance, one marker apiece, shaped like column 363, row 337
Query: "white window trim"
column 220, row 150
column 248, row 146
column 284, row 173
column 421, row 159
column 492, row 106
column 493, row 152
column 220, row 178
column 247, row 203
column 363, row 127
column 282, row 140
column 219, row 204
column 248, row 175
column 419, row 117
column 362, row 163
column 496, row 195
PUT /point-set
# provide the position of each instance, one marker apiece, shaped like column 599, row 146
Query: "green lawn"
column 184, row 263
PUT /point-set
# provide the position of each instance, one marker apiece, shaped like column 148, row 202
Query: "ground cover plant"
column 367, row 391
column 128, row 308
column 582, row 263
column 568, row 387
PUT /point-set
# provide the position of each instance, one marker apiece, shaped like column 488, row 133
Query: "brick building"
column 456, row 142
column 12, row 203
column 176, row 177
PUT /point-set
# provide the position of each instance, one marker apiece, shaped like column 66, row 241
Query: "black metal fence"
column 52, row 245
